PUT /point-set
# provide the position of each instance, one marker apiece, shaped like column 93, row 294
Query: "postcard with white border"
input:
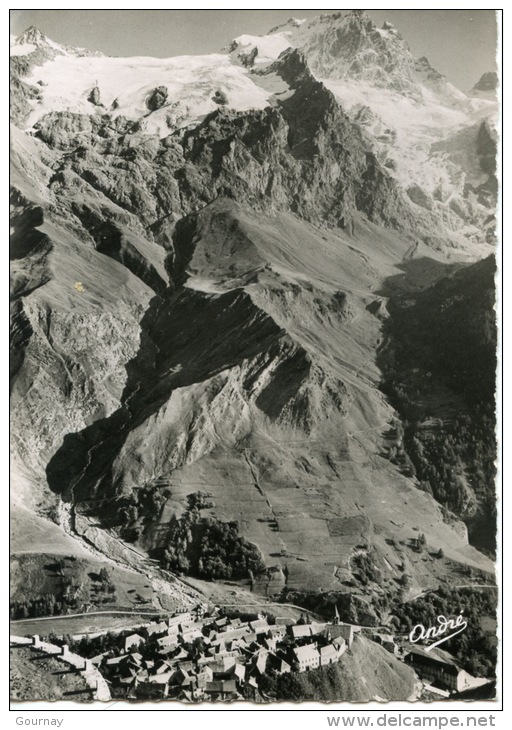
column 254, row 257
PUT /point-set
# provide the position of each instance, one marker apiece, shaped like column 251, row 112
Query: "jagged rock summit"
column 351, row 47
column 32, row 35
column 33, row 39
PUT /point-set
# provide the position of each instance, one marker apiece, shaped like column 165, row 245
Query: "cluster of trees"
column 325, row 684
column 89, row 647
column 71, row 595
column 47, row 605
column 133, row 511
column 367, row 568
column 452, row 460
column 104, row 587
column 226, row 554
column 420, row 542
column 208, row 547
column 197, row 545
column 474, row 649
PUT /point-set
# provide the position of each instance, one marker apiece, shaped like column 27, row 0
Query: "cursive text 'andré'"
column 454, row 625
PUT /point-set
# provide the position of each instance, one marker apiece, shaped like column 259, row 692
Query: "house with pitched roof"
column 329, row 654
column 260, row 626
column 181, row 677
column 204, row 676
column 186, row 617
column 276, row 631
column 340, row 644
column 270, row 644
column 133, row 640
column 154, row 688
column 161, row 667
column 237, row 671
column 387, row 642
column 278, row 663
column 116, row 660
column 190, row 634
column 222, row 688
column 307, row 657
column 299, row 631
column 166, row 642
column 231, row 634
column 156, row 629
column 174, row 621
column 257, row 663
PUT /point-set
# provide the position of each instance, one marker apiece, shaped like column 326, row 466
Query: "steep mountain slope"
column 256, row 395
column 441, row 377
column 198, row 307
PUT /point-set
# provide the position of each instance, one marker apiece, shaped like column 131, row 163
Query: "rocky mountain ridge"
column 407, row 109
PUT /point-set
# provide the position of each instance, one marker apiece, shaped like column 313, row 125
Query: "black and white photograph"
column 254, row 345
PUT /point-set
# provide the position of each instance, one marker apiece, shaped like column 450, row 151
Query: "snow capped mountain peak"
column 402, row 102
column 350, row 47
column 32, row 40
column 32, row 35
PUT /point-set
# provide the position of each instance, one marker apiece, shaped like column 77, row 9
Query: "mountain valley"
column 234, row 277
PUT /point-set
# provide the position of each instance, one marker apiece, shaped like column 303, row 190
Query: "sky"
column 459, row 43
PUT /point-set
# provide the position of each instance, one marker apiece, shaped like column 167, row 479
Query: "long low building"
column 440, row 667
